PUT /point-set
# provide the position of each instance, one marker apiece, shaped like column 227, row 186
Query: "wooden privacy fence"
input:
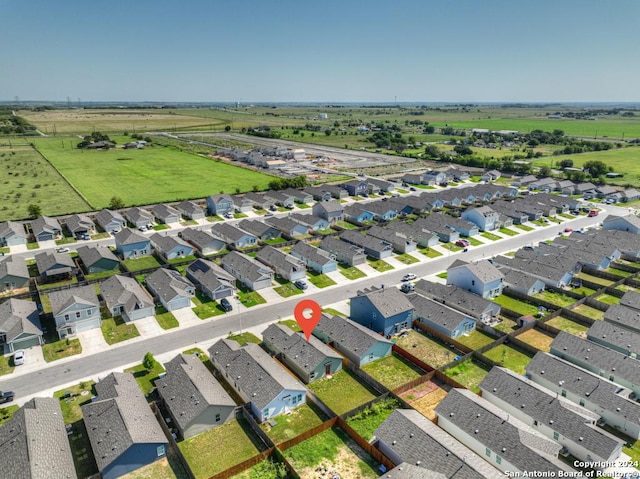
column 411, row 358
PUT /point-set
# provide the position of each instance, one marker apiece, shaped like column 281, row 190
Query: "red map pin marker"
column 305, row 320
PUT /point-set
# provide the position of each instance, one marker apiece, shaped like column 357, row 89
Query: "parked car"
column 226, row 304
column 228, row 215
column 568, row 230
column 301, row 284
column 268, row 214
column 412, row 189
column 64, row 249
column 593, row 213
column 527, row 248
column 407, row 287
column 6, row 396
column 409, row 277
column 18, row 357
column 462, row 243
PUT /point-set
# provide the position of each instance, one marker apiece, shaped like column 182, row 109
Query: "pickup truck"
column 6, row 396
column 593, row 213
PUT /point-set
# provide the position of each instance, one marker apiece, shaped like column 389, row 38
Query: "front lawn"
column 146, row 378
column 61, row 349
column 115, row 330
column 6, row 366
column 291, row 324
column 369, row 419
column 288, row 426
column 249, row 298
column 469, row 373
column 430, row 252
column 524, row 227
column 474, row 242
column 139, row 264
column 509, row 358
column 351, row 272
column 244, row 338
column 287, row 290
column 515, row 305
column 334, row 312
column 392, row 371
column 379, row 265
column 343, row 392
column 72, row 398
column 7, row 413
column 319, row 280
column 508, row 232
column 165, row 318
column 490, row 236
column 452, row 247
column 406, row 258
column 205, row 307
column 161, row 226
column 98, row 236
column 235, row 437
column 66, row 240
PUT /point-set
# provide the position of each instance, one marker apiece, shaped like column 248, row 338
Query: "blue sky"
column 329, row 51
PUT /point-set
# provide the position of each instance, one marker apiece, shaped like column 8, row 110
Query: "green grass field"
column 27, row 178
column 468, row 373
column 509, row 358
column 367, row 421
column 392, row 371
column 342, row 392
column 565, row 324
column 288, row 426
column 151, row 175
column 146, row 378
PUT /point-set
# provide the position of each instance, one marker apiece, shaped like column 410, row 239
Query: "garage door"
column 25, row 343
column 87, row 324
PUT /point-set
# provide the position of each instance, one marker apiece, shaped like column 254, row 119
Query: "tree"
column 116, row 203
column 544, row 170
column 227, row 128
column 431, row 151
column 149, row 362
column 596, row 168
column 255, row 188
column 566, row 164
column 34, row 211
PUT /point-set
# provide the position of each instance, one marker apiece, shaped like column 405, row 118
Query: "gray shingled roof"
column 285, row 224
column 200, row 239
column 251, row 269
column 357, row 238
column 311, row 253
column 105, row 216
column 44, row 224
column 79, row 223
column 167, row 243
column 162, row 211
column 253, row 371
column 121, row 290
column 13, row 265
column 307, row 355
column 34, row 443
column 61, row 300
column 228, row 232
column 255, row 227
column 119, row 418
column 17, row 317
column 418, row 441
column 12, row 228
column 331, row 206
column 388, row 301
column 189, row 388
column 350, row 335
column 483, row 270
column 47, row 260
column 190, row 208
column 513, row 277
column 626, row 317
column 544, row 406
column 500, row 432
column 336, row 246
column 92, row 254
column 279, row 260
column 616, row 335
column 436, row 313
column 128, row 236
column 210, row 274
column 136, row 214
column 631, row 299
column 169, row 284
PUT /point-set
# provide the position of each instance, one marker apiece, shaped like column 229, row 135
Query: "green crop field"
column 27, row 178
column 147, row 176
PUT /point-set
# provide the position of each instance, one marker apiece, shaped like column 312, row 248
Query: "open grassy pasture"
column 27, row 178
column 116, row 120
column 151, row 175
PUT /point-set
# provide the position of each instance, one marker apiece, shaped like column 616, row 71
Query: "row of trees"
column 92, row 138
column 284, row 183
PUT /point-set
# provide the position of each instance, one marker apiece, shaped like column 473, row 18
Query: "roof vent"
column 550, row 421
column 411, row 435
column 541, row 372
column 580, row 438
column 613, row 369
column 478, row 415
column 618, row 409
column 394, row 442
column 418, row 463
column 494, row 389
column 522, row 406
column 504, row 449
column 476, row 431
column 450, row 414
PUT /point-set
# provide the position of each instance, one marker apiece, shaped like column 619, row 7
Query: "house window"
column 498, row 460
column 473, row 282
column 299, row 397
column 295, row 399
column 564, row 393
column 265, row 412
column 581, row 402
column 556, row 436
column 66, row 317
column 160, row 450
column 487, row 452
column 77, row 314
column 218, row 417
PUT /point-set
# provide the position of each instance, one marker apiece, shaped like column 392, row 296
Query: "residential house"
column 166, row 214
column 288, row 227
column 75, row 310
column 616, row 367
column 204, row 242
column 194, row 398
column 521, row 181
column 257, row 379
column 554, row 270
column 130, row 244
column 445, row 233
column 401, row 206
column 138, row 217
column 123, row 431
column 173, row 290
column 483, row 217
column 332, row 211
column 400, row 242
column 314, row 258
column 629, row 223
column 383, row 185
column 219, row 205
column 55, row 266
column 460, row 299
column 491, row 175
column 171, row 247
column 566, row 187
column 260, row 229
column 456, row 174
column 613, row 336
column 280, row 199
column 630, row 299
column 313, row 222
column 508, row 210
column 110, row 221
column 614, row 404
column 318, row 194
column 45, row 228
column 299, row 196
column 12, row 233
column 357, row 213
column 336, row 191
column 437, row 222
column 630, row 194
column 309, row 360
column 191, row 210
column 407, row 436
column 284, row 265
column 434, row 178
column 259, row 201
column 381, row 210
column 124, row 297
column 97, row 259
column 250, row 272
column 585, row 189
column 606, row 191
column 522, row 282
column 384, row 310
column 441, row 318
column 357, row 343
column 423, row 237
column 542, row 184
column 233, row 236
column 214, row 282
column 373, row 247
column 553, row 416
column 14, row 273
column 242, row 204
column 412, row 178
column 345, row 253
column 35, row 442
column 356, row 187
column 498, row 437
column 481, row 277
column 80, row 226
column 20, row 326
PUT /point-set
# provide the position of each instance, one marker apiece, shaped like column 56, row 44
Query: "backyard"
column 559, row 299
column 588, row 311
column 343, row 392
column 565, row 324
column 475, row 340
column 367, row 421
column 537, row 339
column 515, row 305
column 139, row 264
column 288, row 426
column 425, row 397
column 392, row 371
column 430, row 350
column 509, row 357
column 468, row 373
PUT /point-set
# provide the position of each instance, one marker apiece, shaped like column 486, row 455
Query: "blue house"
column 131, row 244
column 630, row 223
column 356, row 188
column 220, row 204
column 441, row 318
column 357, row 213
column 314, row 258
column 483, row 217
column 313, row 222
column 481, row 278
column 233, row 236
column 123, row 431
column 171, row 247
column 381, row 210
column 383, row 310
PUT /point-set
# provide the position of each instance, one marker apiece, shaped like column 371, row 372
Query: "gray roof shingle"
column 92, row 254
column 249, row 267
column 128, row 236
column 17, row 317
column 169, row 284
column 388, row 301
column 121, row 290
column 435, row 312
column 14, row 266
column 60, row 300
column 351, row 336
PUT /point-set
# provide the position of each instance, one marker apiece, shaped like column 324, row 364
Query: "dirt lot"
column 344, row 465
column 426, row 397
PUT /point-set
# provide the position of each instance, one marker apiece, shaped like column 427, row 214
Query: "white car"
column 18, row 357
column 409, row 277
column 62, row 250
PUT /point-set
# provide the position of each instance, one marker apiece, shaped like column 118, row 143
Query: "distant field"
column 152, row 175
column 26, row 178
